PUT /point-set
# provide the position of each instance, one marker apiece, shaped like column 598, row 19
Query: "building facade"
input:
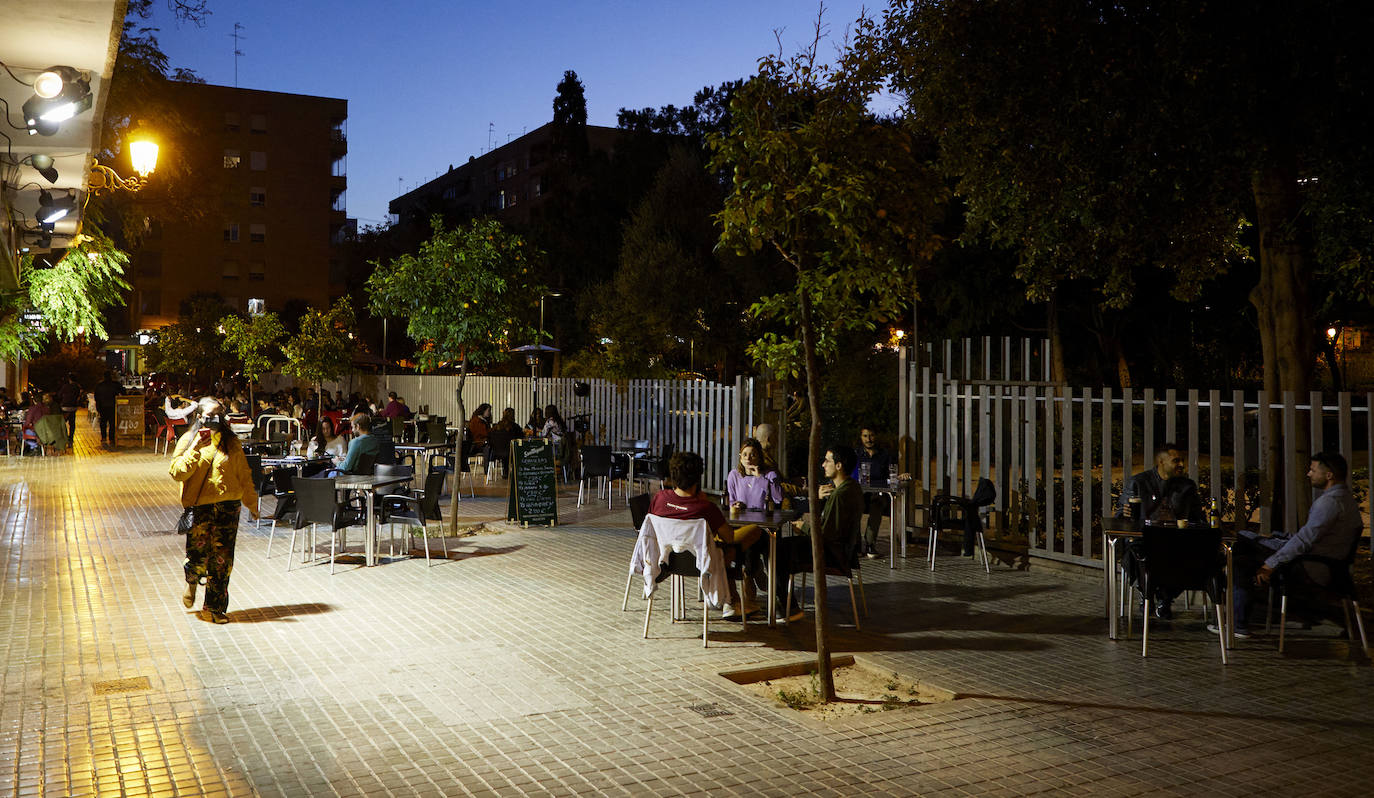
column 276, row 167
column 509, row 181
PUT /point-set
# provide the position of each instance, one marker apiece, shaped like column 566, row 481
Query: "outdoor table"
column 630, row 453
column 897, row 506
column 252, row 445
column 771, row 522
column 293, row 461
column 1114, row 532
column 426, row 450
column 368, row 484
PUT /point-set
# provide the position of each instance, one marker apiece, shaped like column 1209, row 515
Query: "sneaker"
column 189, row 596
column 1164, row 610
column 212, row 616
column 782, row 614
column 1241, row 633
column 729, row 613
column 871, row 552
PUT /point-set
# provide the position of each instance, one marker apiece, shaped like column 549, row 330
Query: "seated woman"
column 326, row 442
column 479, row 426
column 749, row 485
column 535, row 426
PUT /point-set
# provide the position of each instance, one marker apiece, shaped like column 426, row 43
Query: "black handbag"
column 186, row 521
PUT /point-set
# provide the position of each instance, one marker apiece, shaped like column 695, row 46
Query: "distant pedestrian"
column 69, row 396
column 105, row 392
column 215, row 481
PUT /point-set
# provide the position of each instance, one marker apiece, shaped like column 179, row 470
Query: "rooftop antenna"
column 237, row 52
column 491, row 131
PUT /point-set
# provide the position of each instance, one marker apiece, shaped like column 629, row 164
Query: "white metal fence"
column 1059, row 455
column 711, row 419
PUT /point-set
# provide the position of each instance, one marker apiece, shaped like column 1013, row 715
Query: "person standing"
column 69, row 397
column 105, row 392
column 873, row 467
column 215, row 481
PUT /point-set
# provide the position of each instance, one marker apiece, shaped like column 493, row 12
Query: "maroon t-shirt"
column 668, row 504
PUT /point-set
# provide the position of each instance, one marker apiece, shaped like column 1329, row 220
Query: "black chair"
column 255, row 466
column 366, row 464
column 497, row 449
column 1291, row 579
column 598, row 464
column 649, row 468
column 1172, row 560
column 436, row 431
column 416, row 510
column 847, row 569
column 317, row 503
column 283, row 489
column 386, row 446
column 964, row 513
column 678, row 566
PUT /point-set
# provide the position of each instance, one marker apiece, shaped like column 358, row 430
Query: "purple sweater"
column 752, row 490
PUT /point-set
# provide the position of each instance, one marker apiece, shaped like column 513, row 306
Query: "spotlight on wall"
column 43, row 163
column 50, row 209
column 60, row 93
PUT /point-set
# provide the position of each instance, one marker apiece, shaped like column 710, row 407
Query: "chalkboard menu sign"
column 533, row 489
column 129, row 426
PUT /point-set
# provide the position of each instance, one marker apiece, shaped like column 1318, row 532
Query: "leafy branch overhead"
column 254, row 341
column 463, row 295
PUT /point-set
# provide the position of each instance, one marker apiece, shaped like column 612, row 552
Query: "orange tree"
column 843, row 199
column 464, row 296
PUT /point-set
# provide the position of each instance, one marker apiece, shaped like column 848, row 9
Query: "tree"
column 323, row 349
column 570, row 119
column 194, row 343
column 70, row 295
column 846, row 202
column 463, row 296
column 1100, row 139
column 255, row 341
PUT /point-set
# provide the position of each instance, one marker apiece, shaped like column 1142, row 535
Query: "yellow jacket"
column 208, row 475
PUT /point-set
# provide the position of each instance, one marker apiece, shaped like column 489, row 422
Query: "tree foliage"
column 194, row 343
column 463, row 295
column 323, row 349
column 255, row 341
column 845, row 201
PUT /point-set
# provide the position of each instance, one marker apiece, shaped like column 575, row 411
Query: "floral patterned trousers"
column 210, row 550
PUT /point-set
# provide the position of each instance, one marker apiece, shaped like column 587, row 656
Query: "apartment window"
column 230, row 270
column 232, row 159
column 150, row 303
column 338, row 201
column 257, row 270
column 257, row 233
column 257, row 123
column 231, row 233
column 257, row 161
column 257, row 196
column 231, row 121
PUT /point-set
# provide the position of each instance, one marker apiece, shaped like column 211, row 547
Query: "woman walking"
column 215, row 481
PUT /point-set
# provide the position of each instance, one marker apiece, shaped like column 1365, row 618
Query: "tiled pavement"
column 511, row 669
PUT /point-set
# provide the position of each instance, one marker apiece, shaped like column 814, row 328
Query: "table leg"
column 772, row 571
column 1113, row 618
column 370, row 542
column 1228, row 617
column 898, row 531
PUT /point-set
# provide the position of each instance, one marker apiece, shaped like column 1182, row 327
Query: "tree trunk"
column 813, row 391
column 1056, row 353
column 458, row 448
column 1284, row 315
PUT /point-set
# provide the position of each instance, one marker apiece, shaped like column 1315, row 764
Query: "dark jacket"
column 105, row 392
column 841, row 518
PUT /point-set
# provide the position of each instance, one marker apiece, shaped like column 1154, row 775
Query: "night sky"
column 424, row 79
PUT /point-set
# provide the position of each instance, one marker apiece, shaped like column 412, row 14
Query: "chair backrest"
column 429, row 503
column 398, row 427
column 282, row 480
column 437, row 431
column 255, row 466
column 639, row 507
column 1181, row 559
column 384, row 470
column 668, row 450
column 316, row 501
column 498, row 442
column 366, row 463
column 596, row 462
column 386, row 446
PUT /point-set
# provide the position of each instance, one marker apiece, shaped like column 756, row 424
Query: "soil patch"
column 860, row 689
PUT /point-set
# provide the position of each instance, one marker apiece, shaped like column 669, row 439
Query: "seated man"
column 841, row 514
column 879, row 465
column 1332, row 526
column 363, row 443
column 394, row 408
column 1148, row 487
column 686, row 501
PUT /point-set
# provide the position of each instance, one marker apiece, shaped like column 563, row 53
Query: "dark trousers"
column 70, row 417
column 876, row 505
column 210, row 550
column 1250, row 554
column 794, row 556
column 107, row 423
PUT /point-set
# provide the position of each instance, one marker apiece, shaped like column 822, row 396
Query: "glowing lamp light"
column 48, row 85
column 1331, row 333
column 143, row 152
